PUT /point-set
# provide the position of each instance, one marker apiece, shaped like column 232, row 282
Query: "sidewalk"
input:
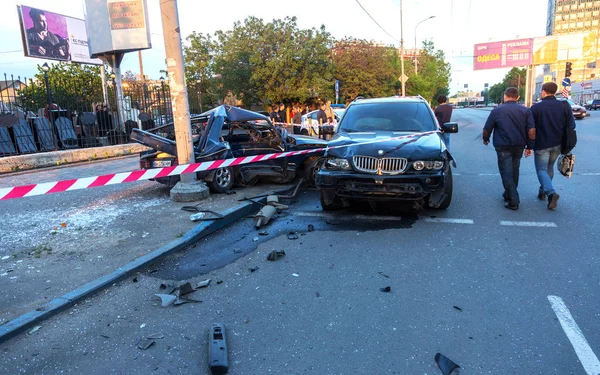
column 50, row 251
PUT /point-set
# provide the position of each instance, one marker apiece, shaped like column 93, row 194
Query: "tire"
column 330, row 201
column 303, row 132
column 311, row 167
column 448, row 188
column 222, row 180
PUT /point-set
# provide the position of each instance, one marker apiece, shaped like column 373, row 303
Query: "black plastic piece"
column 445, row 364
column 217, row 349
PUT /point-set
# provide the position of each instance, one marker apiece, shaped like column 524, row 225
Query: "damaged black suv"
column 387, row 149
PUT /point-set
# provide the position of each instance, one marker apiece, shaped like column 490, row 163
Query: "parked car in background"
column 229, row 132
column 579, row 112
column 593, row 104
column 367, row 160
column 309, row 124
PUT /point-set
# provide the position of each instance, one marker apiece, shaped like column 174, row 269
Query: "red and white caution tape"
column 147, row 174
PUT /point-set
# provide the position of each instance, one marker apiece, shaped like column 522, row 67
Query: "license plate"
column 161, row 163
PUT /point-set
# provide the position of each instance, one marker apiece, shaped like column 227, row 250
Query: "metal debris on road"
column 295, row 275
column 263, row 233
column 145, row 343
column 311, row 228
column 264, row 216
column 387, row 289
column 292, row 236
column 217, row 349
column 275, row 254
column 445, row 364
column 253, row 269
column 166, row 299
column 34, row 330
column 202, row 284
column 457, row 308
column 384, row 275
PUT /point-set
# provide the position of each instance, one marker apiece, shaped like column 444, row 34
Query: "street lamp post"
column 45, row 69
column 416, row 53
column 402, row 54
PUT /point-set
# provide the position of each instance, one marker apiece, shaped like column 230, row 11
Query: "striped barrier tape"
column 147, row 174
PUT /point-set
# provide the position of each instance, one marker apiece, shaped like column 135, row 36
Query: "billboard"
column 53, row 36
column 117, row 26
column 563, row 47
column 504, row 54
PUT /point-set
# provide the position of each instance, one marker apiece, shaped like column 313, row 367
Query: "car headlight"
column 335, row 163
column 420, row 165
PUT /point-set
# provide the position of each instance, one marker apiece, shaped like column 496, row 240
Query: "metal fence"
column 78, row 116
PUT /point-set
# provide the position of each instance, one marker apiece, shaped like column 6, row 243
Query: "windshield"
column 395, row 117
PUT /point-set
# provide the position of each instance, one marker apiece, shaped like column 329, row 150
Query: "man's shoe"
column 552, row 201
column 513, row 207
column 542, row 196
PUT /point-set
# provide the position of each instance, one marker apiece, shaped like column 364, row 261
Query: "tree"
column 364, row 68
column 433, row 78
column 72, row 86
column 514, row 78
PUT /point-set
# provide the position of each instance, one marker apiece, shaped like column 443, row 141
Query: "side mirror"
column 450, row 127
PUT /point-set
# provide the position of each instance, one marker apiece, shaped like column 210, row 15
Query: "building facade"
column 577, row 16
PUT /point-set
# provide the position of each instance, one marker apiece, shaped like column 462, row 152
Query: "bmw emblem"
column 380, row 152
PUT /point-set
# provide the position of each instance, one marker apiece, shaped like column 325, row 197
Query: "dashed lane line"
column 449, row 221
column 540, row 224
column 584, row 352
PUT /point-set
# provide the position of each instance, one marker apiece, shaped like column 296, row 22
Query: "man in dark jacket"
column 552, row 118
column 514, row 130
column 443, row 113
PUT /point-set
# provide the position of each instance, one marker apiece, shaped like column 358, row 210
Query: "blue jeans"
column 446, row 139
column 509, row 162
column 544, row 167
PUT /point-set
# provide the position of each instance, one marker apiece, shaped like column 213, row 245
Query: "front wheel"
column 311, row 167
column 222, row 180
column 447, row 190
column 330, row 201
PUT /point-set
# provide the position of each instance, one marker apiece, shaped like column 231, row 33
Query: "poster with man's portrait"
column 54, row 36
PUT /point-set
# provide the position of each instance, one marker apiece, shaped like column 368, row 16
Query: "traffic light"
column 568, row 68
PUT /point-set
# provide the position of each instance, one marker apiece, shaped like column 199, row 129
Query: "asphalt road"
column 496, row 291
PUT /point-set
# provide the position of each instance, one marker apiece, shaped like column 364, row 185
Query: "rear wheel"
column 304, row 132
column 330, row 201
column 222, row 180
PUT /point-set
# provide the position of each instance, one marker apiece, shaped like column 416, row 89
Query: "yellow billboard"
column 560, row 48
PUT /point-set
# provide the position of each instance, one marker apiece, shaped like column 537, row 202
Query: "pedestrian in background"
column 553, row 118
column 275, row 116
column 297, row 119
column 443, row 113
column 322, row 115
column 329, row 112
column 513, row 130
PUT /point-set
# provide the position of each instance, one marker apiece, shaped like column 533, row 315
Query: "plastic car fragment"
column 445, row 364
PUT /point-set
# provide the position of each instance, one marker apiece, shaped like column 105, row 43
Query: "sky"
column 456, row 27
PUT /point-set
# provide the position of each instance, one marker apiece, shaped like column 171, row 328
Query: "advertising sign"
column 563, row 47
column 504, row 54
column 117, row 26
column 53, row 36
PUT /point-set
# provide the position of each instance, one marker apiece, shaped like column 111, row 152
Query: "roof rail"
column 358, row 98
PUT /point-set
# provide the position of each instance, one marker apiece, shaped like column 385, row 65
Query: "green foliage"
column 514, row 78
column 74, row 86
column 433, row 76
column 365, row 69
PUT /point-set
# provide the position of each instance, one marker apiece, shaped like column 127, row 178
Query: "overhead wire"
column 377, row 23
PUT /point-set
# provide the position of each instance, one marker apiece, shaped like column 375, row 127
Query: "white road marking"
column 541, row 224
column 489, row 174
column 586, row 356
column 449, row 221
column 588, row 174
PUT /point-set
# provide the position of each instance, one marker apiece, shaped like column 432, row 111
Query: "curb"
column 26, row 162
column 29, row 319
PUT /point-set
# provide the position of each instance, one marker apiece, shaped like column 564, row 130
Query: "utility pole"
column 402, row 53
column 188, row 188
column 141, row 66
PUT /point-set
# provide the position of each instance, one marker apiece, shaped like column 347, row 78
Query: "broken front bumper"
column 349, row 184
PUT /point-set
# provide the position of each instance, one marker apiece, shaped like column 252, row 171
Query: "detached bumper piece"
column 217, row 349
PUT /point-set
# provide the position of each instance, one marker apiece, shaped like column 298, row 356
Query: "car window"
column 395, row 117
column 313, row 115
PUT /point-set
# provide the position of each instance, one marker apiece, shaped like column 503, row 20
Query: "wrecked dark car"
column 368, row 160
column 228, row 132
